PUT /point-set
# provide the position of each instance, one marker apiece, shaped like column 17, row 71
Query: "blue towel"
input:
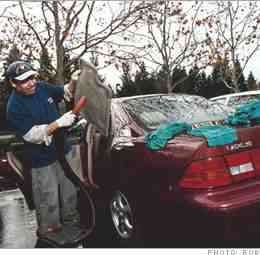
column 216, row 135
column 244, row 114
column 157, row 139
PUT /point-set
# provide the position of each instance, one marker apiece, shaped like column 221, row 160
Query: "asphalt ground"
column 17, row 222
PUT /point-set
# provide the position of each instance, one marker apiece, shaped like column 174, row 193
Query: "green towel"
column 216, row 135
column 157, row 139
column 244, row 114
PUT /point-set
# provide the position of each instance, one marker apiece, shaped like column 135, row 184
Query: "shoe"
column 43, row 231
column 54, row 235
column 75, row 232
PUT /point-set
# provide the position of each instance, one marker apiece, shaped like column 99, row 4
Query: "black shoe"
column 53, row 235
column 75, row 232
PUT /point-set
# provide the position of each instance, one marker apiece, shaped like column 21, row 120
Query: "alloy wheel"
column 122, row 215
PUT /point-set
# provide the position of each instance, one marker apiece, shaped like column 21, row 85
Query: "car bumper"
column 227, row 200
column 228, row 213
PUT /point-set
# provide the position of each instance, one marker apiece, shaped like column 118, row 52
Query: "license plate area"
column 241, row 169
column 241, row 166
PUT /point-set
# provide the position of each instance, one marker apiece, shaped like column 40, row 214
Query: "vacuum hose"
column 59, row 143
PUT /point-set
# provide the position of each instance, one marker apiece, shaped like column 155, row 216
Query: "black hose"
column 59, row 143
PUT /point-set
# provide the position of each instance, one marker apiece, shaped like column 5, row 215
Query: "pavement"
column 17, row 222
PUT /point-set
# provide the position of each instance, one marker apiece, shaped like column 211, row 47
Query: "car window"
column 151, row 112
column 238, row 100
column 219, row 100
column 152, row 118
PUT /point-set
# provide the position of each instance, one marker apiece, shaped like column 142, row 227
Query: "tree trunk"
column 168, row 82
column 234, row 79
column 60, row 65
column 59, row 47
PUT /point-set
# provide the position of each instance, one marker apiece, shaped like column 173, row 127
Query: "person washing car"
column 32, row 114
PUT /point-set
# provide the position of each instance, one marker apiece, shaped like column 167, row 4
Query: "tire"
column 107, row 233
column 128, row 232
column 103, row 234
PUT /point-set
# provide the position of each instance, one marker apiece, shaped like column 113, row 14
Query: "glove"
column 81, row 123
column 38, row 135
column 66, row 120
column 67, row 92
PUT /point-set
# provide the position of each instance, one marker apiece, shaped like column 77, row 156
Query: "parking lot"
column 18, row 226
column 17, row 223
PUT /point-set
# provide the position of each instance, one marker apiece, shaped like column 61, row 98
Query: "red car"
column 185, row 191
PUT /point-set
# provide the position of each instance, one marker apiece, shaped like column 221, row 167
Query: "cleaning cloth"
column 244, row 114
column 157, row 139
column 216, row 135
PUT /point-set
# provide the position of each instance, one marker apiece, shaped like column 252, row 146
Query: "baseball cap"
column 19, row 71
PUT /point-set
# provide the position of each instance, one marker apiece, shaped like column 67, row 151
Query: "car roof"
column 251, row 92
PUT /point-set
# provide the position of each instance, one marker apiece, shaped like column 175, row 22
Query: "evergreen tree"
column 240, row 76
column 128, row 86
column 144, row 82
column 251, row 82
column 191, row 85
column 179, row 80
column 161, row 80
column 216, row 85
column 5, row 88
column 202, row 83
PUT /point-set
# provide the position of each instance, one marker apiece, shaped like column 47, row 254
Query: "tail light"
column 221, row 171
column 241, row 165
column 207, row 173
column 256, row 160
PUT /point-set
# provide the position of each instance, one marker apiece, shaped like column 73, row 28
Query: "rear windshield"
column 219, row 100
column 153, row 111
column 239, row 100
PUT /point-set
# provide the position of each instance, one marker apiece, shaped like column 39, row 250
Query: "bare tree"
column 167, row 40
column 67, row 30
column 232, row 36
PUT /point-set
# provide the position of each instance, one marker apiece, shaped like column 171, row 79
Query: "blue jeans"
column 55, row 196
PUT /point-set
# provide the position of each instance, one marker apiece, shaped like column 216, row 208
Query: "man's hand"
column 66, row 120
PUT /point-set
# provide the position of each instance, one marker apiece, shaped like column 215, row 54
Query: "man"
column 32, row 114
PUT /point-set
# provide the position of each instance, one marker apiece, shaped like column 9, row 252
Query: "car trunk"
column 208, row 167
column 194, row 165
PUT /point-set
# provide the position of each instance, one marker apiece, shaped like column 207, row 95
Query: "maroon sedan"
column 186, row 190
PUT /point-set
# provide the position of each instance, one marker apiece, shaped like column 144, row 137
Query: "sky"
column 113, row 75
column 254, row 66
